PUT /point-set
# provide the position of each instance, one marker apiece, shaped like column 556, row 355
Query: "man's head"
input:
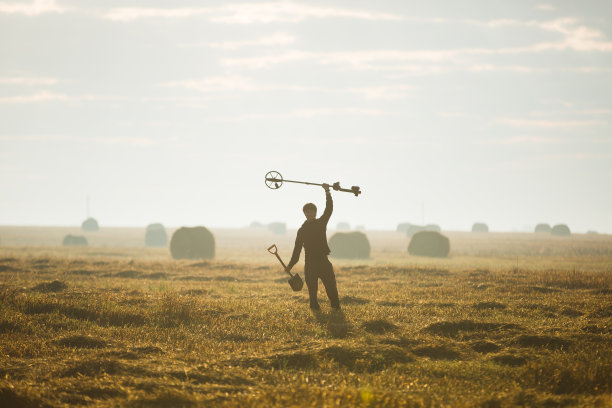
column 310, row 211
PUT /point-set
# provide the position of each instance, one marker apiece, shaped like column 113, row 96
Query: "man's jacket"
column 312, row 235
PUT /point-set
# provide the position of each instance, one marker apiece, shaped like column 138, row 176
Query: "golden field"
column 509, row 319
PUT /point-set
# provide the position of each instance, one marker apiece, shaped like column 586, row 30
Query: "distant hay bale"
column 480, row 227
column 74, row 240
column 349, row 245
column 591, row 232
column 402, row 227
column 90, row 225
column 192, row 243
column 429, row 243
column 360, row 228
column 278, row 228
column 544, row 228
column 156, row 236
column 343, row 226
column 256, row 224
column 561, row 230
column 411, row 229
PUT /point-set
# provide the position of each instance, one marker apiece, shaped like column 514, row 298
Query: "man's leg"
column 329, row 281
column 312, row 283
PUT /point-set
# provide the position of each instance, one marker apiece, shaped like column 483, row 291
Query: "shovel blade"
column 296, row 283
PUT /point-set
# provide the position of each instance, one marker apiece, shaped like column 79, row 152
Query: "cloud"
column 28, row 81
column 386, row 92
column 42, row 96
column 272, row 40
column 36, row 8
column 249, row 13
column 516, row 140
column 544, row 7
column 46, row 96
column 548, row 124
column 310, row 113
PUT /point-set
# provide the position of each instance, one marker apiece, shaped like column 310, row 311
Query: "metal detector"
column 295, row 282
column 274, row 180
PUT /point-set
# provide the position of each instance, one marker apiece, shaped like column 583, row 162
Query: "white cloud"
column 42, row 96
column 310, row 113
column 249, row 13
column 36, row 8
column 46, row 96
column 231, row 83
column 386, row 92
column 548, row 124
column 272, row 40
column 28, row 81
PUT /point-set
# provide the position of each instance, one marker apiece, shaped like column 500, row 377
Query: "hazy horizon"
column 173, row 112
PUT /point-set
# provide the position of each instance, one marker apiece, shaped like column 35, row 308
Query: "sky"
column 173, row 111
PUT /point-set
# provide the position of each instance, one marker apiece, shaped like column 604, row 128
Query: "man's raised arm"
column 329, row 204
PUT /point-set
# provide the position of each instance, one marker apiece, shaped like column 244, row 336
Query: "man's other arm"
column 297, row 249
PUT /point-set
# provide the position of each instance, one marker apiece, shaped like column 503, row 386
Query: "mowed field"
column 507, row 320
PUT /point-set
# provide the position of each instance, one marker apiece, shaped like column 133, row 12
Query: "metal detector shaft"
column 275, row 180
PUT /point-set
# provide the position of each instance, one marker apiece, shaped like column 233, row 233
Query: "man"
column 312, row 235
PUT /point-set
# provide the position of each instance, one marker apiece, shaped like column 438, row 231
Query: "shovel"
column 295, row 282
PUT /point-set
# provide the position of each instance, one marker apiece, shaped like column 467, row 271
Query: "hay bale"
column 349, row 245
column 402, row 227
column 429, row 243
column 192, row 243
column 156, row 236
column 343, row 226
column 278, row 228
column 256, row 224
column 480, row 227
column 412, row 229
column 543, row 227
column 90, row 225
column 74, row 240
column 561, row 230
column 591, row 232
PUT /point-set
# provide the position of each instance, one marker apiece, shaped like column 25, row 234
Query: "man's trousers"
column 321, row 268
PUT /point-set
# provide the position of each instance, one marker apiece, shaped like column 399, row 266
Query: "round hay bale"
column 402, row 227
column 412, row 229
column 192, row 243
column 278, row 228
column 256, row 224
column 343, row 226
column 544, row 228
column 561, row 230
column 156, row 236
column 349, row 245
column 74, row 240
column 592, row 232
column 90, row 225
column 429, row 243
column 480, row 227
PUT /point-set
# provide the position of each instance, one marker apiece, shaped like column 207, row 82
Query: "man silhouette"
column 312, row 235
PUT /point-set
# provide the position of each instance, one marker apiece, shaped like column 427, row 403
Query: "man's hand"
column 326, row 187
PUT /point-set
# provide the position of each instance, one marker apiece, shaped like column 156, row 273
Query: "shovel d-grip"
column 295, row 281
column 274, row 180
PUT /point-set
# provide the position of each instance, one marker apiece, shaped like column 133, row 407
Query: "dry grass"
column 475, row 330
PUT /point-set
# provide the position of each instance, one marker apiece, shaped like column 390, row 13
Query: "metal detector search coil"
column 274, row 180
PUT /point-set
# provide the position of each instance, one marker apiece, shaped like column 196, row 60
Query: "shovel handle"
column 274, row 251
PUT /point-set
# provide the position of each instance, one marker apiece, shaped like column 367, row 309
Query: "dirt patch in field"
column 439, row 352
column 83, row 272
column 10, row 398
column 299, row 360
column 100, row 366
column 155, row 275
column 401, row 342
column 79, row 341
column 549, row 342
column 569, row 312
column 47, row 287
column 509, row 360
column 8, row 327
column 8, row 268
column 127, row 274
column 353, row 300
column 366, row 359
column 484, row 346
column 452, row 329
column 379, row 326
column 489, row 306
